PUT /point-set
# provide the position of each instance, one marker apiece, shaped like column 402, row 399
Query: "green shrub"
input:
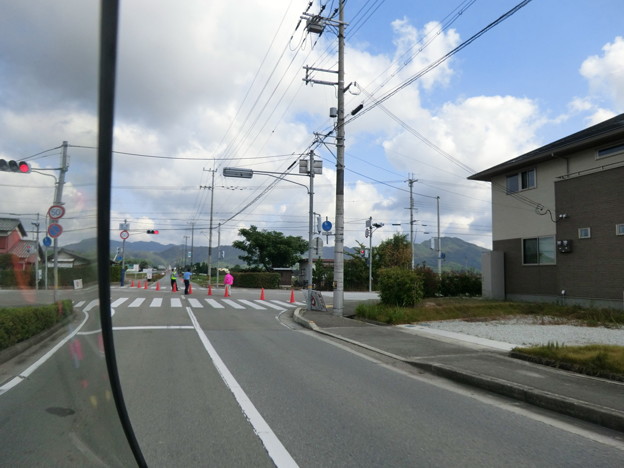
column 257, row 280
column 17, row 324
column 400, row 287
column 460, row 283
column 430, row 279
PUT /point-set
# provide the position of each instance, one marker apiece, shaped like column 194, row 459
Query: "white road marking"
column 156, row 302
column 119, row 301
column 285, row 304
column 80, row 304
column 214, row 304
column 233, row 304
column 137, row 302
column 272, row 306
column 176, row 302
column 195, row 302
column 252, row 304
column 274, row 447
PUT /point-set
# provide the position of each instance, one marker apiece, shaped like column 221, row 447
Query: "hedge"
column 257, row 280
column 18, row 324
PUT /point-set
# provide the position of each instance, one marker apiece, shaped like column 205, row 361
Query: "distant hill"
column 459, row 254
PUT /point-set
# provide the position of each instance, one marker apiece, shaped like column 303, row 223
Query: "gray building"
column 558, row 221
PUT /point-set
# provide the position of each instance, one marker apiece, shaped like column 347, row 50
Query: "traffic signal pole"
column 58, row 197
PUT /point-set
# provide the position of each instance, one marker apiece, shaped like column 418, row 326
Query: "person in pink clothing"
column 228, row 281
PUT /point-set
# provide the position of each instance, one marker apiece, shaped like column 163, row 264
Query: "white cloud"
column 605, row 73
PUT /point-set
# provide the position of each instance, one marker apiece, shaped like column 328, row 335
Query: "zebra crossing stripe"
column 233, row 304
column 272, row 306
column 156, row 302
column 176, row 302
column 213, row 303
column 284, row 304
column 194, row 302
column 80, row 304
column 119, row 301
column 252, row 304
column 137, row 302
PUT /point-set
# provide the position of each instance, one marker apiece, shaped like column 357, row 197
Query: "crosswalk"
column 197, row 303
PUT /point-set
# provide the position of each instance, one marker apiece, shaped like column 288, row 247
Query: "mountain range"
column 458, row 254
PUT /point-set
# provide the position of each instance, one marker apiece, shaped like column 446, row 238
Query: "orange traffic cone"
column 158, row 286
column 210, row 289
column 292, row 296
column 227, row 291
column 262, row 294
column 175, row 287
column 146, row 286
column 139, row 284
column 132, row 284
column 190, row 288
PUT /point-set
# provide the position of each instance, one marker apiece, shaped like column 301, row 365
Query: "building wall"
column 522, row 280
column 595, row 266
column 512, row 217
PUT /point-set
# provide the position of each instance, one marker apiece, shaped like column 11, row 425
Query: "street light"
column 314, row 167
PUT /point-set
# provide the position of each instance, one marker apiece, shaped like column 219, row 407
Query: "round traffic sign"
column 327, row 225
column 56, row 212
column 47, row 241
column 124, row 234
column 55, row 230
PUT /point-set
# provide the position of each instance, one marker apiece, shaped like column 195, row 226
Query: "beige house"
column 558, row 221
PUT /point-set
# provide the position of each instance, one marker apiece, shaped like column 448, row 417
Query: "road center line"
column 274, row 447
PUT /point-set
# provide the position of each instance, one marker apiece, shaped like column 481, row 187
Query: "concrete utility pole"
column 58, row 197
column 439, row 240
column 316, row 24
column 411, row 181
column 340, row 166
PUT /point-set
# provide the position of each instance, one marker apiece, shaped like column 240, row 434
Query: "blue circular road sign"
column 327, row 225
column 47, row 241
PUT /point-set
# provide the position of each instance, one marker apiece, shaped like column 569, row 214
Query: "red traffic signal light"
column 22, row 167
column 152, row 231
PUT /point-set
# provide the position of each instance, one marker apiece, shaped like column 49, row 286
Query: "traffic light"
column 152, row 231
column 21, row 167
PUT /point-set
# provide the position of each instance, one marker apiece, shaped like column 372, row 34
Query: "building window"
column 611, row 151
column 584, row 233
column 538, row 251
column 521, row 181
column 619, row 229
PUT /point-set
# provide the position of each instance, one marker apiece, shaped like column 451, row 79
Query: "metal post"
column 411, row 184
column 218, row 251
column 210, row 235
column 340, row 151
column 310, row 230
column 58, row 196
column 439, row 240
column 370, row 254
column 37, row 254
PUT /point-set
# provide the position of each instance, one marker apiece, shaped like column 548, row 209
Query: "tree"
column 394, row 252
column 269, row 249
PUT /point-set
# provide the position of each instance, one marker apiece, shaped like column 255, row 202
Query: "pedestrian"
column 187, row 280
column 228, row 281
column 174, row 281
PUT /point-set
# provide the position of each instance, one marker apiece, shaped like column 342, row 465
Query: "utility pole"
column 58, row 197
column 37, row 253
column 439, row 240
column 218, row 252
column 411, row 181
column 340, row 151
column 210, row 230
column 316, row 24
column 185, row 257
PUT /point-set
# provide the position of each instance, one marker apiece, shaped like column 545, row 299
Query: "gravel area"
column 529, row 331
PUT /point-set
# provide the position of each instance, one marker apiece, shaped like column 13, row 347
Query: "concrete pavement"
column 592, row 399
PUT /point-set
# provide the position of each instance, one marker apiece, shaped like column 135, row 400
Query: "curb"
column 602, row 416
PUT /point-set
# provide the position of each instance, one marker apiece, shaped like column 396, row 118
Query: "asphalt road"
column 214, row 381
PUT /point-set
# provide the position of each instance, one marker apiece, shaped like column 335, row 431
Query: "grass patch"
column 602, row 360
column 482, row 309
column 591, row 359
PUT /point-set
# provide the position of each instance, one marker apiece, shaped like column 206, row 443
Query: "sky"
column 207, row 85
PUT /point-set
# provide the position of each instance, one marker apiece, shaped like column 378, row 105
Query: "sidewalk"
column 596, row 400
